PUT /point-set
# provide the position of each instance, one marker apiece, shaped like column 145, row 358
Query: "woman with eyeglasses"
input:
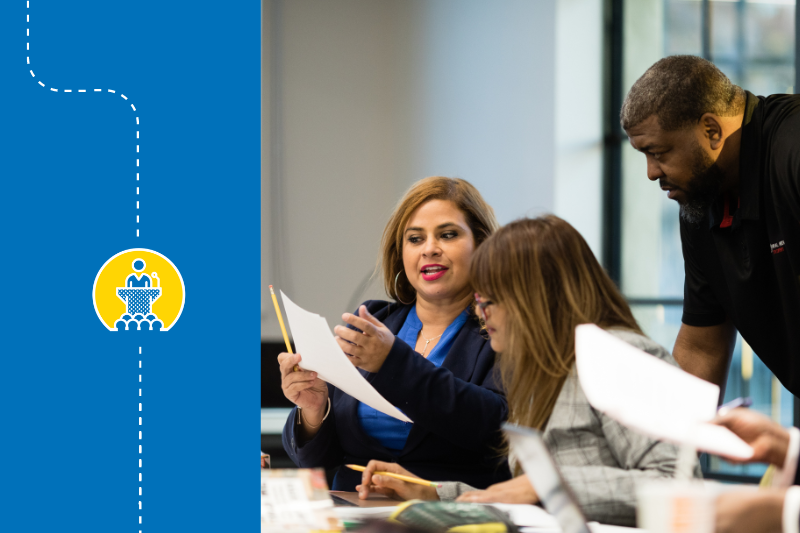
column 537, row 280
column 424, row 353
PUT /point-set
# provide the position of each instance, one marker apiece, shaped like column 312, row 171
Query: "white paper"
column 651, row 395
column 528, row 515
column 363, row 513
column 322, row 354
column 605, row 528
column 595, row 527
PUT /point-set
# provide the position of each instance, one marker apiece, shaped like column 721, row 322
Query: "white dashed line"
column 53, row 89
column 140, row 433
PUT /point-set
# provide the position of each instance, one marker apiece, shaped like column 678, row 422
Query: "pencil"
column 407, row 479
column 283, row 326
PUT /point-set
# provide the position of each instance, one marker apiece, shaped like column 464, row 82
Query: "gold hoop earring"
column 397, row 294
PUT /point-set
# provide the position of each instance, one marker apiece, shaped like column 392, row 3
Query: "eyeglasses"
column 482, row 306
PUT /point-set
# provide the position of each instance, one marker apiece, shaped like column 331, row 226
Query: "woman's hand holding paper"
column 517, row 490
column 391, row 487
column 303, row 389
column 366, row 349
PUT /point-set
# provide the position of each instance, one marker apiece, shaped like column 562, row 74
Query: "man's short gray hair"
column 679, row 90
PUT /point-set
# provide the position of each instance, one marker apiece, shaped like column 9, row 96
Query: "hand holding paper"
column 770, row 440
column 651, row 396
column 302, row 388
column 321, row 354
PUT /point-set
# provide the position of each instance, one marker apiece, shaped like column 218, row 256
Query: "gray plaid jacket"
column 600, row 459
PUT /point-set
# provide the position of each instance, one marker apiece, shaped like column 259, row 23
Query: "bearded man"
column 732, row 162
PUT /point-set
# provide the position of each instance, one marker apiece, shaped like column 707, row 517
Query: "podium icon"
column 139, row 295
column 138, row 290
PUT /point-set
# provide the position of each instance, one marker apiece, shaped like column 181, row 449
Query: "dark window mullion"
column 612, row 172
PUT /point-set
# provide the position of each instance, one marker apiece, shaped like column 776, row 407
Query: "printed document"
column 321, row 354
column 651, row 396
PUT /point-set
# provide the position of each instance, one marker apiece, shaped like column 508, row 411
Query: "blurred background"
column 360, row 98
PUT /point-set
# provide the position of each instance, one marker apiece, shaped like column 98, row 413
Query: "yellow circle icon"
column 138, row 290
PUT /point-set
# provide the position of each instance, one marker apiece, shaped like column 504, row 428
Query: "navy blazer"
column 457, row 410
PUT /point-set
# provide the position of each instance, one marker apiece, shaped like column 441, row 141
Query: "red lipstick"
column 433, row 272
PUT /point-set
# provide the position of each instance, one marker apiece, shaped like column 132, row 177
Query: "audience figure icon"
column 138, row 294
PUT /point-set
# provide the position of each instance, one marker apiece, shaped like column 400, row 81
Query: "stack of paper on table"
column 349, row 507
column 651, row 396
column 351, row 499
column 593, row 526
column 525, row 515
column 534, row 519
column 295, row 501
column 529, row 518
column 354, row 514
column 322, row 354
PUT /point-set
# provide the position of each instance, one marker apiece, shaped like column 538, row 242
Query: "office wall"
column 364, row 97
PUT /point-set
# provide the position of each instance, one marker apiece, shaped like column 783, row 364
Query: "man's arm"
column 706, row 352
column 751, row 512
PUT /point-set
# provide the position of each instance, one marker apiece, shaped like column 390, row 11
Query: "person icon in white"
column 138, row 279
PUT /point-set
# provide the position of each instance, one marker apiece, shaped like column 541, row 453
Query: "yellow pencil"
column 401, row 477
column 280, row 320
column 283, row 326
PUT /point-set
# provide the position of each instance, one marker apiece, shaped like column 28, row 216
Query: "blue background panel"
column 69, row 387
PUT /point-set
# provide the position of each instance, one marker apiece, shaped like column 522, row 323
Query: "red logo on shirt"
column 777, row 247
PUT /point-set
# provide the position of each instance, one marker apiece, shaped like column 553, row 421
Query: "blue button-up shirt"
column 389, row 431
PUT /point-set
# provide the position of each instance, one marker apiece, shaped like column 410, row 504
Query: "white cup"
column 676, row 506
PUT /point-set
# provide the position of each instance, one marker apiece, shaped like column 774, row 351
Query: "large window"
column 753, row 42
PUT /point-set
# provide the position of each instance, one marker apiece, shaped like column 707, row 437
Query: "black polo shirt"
column 743, row 260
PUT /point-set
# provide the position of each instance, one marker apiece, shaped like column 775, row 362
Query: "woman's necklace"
column 427, row 341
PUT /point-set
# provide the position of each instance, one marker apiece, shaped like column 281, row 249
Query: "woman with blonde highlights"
column 424, row 353
column 537, row 280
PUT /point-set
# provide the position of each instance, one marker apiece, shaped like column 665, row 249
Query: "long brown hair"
column 478, row 214
column 548, row 281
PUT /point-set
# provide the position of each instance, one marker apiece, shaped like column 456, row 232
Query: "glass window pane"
column 682, row 27
column 659, row 322
column 752, row 41
column 769, row 30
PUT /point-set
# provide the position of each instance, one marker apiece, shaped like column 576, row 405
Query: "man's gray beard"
column 693, row 212
column 702, row 189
